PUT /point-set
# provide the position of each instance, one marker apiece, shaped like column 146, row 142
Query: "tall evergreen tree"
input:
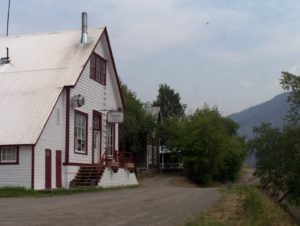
column 169, row 102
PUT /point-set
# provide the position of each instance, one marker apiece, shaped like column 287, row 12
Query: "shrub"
column 211, row 148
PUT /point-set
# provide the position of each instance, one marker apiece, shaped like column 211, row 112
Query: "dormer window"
column 98, row 69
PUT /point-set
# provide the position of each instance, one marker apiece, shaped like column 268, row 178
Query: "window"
column 154, row 155
column 9, row 155
column 80, row 131
column 110, row 139
column 98, row 69
column 149, row 154
column 96, row 122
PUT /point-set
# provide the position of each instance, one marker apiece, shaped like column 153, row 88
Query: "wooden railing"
column 123, row 157
column 100, row 166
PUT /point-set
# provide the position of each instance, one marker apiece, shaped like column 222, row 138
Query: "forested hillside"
column 272, row 111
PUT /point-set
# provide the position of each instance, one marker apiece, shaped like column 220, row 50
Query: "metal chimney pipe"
column 84, row 33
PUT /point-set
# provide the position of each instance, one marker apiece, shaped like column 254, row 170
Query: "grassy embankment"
column 6, row 192
column 243, row 206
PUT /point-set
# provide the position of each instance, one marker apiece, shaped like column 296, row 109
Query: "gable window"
column 9, row 155
column 80, row 131
column 98, row 69
column 110, row 144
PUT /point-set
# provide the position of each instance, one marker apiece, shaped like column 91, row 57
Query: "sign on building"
column 115, row 116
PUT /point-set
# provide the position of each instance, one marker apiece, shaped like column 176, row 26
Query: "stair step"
column 84, row 178
column 86, row 173
column 87, row 170
column 87, row 176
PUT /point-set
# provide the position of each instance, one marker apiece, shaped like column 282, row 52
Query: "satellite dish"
column 78, row 101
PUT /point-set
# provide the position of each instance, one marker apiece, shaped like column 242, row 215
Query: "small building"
column 59, row 97
column 153, row 144
column 150, row 159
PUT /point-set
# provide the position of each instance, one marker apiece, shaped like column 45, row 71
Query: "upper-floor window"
column 9, row 155
column 98, row 69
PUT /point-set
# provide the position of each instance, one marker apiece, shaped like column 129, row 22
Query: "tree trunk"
column 266, row 184
column 284, row 196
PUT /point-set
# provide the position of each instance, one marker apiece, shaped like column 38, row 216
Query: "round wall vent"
column 78, row 101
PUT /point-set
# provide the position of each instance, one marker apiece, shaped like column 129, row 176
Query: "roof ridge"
column 49, row 33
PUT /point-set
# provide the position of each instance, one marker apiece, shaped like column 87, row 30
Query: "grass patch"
column 243, row 206
column 6, row 192
column 9, row 192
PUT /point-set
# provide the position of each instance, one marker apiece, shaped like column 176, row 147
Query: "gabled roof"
column 155, row 112
column 41, row 65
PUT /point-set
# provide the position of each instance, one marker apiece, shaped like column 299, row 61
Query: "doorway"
column 97, row 146
column 48, row 173
column 58, row 169
column 97, row 128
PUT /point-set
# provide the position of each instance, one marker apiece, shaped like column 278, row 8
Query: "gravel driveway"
column 156, row 202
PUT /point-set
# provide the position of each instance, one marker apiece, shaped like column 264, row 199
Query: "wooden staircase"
column 88, row 176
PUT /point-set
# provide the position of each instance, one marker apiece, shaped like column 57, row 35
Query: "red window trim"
column 113, row 136
column 86, row 132
column 10, row 163
column 93, row 66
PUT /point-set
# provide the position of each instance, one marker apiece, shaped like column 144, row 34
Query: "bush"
column 211, row 148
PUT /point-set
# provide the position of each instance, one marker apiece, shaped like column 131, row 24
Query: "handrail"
column 123, row 157
column 100, row 166
column 118, row 156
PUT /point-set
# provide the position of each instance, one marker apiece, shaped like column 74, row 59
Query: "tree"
column 169, row 102
column 268, row 149
column 210, row 147
column 137, row 123
column 291, row 83
column 277, row 155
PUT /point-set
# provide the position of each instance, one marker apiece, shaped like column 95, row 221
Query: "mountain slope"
column 272, row 111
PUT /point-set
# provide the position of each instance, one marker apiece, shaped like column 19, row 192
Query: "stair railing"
column 101, row 164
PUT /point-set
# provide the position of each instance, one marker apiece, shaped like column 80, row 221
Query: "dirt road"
column 156, row 202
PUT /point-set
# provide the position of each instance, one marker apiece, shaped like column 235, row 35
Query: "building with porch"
column 60, row 104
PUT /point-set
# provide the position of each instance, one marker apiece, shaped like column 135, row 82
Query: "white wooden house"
column 56, row 90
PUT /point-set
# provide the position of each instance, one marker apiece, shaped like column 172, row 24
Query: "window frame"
column 98, row 74
column 13, row 162
column 85, row 115
column 113, row 139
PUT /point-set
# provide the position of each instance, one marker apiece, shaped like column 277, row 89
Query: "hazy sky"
column 225, row 52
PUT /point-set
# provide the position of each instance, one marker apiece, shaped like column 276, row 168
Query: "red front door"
column 58, row 169
column 48, row 169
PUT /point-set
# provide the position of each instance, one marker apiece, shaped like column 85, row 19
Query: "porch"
column 91, row 175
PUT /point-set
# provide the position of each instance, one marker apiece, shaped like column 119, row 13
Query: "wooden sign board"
column 115, row 117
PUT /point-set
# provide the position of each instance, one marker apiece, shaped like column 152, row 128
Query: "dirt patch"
column 247, row 177
column 183, row 182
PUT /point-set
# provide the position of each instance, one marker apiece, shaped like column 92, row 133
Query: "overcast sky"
column 227, row 53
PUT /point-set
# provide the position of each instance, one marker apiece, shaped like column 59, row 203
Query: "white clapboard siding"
column 122, row 178
column 53, row 138
column 18, row 175
column 97, row 97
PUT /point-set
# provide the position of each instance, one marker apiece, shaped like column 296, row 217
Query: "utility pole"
column 7, row 18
